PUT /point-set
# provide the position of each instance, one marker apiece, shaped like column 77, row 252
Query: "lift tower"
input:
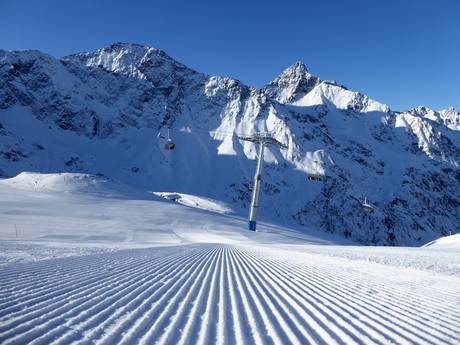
column 263, row 139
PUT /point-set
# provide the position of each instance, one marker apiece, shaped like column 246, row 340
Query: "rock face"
column 101, row 113
column 293, row 83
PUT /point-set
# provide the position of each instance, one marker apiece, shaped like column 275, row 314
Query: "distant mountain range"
column 101, row 113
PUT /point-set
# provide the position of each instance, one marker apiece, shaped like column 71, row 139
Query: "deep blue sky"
column 401, row 52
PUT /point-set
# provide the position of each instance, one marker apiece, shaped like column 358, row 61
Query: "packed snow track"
column 223, row 294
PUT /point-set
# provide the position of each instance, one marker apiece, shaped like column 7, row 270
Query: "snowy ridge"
column 71, row 183
column 451, row 118
column 219, row 294
column 59, row 182
column 133, row 60
column 99, row 113
column 446, row 243
column 327, row 93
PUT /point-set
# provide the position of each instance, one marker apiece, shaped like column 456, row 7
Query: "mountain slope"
column 100, row 113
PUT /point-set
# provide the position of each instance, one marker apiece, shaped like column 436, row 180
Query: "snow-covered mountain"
column 101, row 112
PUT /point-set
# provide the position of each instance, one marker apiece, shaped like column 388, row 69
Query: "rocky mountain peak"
column 421, row 110
column 126, row 58
column 451, row 118
column 296, row 71
column 293, row 83
column 135, row 51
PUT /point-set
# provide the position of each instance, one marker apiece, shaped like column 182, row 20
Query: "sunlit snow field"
column 84, row 259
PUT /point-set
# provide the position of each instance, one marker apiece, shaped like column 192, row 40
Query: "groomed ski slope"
column 149, row 276
column 222, row 294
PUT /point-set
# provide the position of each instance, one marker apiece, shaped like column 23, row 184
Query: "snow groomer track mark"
column 217, row 294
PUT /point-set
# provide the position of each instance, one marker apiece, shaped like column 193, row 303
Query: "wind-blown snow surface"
column 100, row 113
column 99, row 262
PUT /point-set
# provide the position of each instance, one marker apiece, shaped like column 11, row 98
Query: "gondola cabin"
column 169, row 145
column 314, row 177
column 366, row 207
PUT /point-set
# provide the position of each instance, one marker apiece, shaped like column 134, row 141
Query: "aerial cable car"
column 366, row 206
column 315, row 176
column 169, row 144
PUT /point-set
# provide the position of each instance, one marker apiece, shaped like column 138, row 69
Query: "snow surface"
column 97, row 262
column 92, row 211
column 451, row 242
column 196, row 201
